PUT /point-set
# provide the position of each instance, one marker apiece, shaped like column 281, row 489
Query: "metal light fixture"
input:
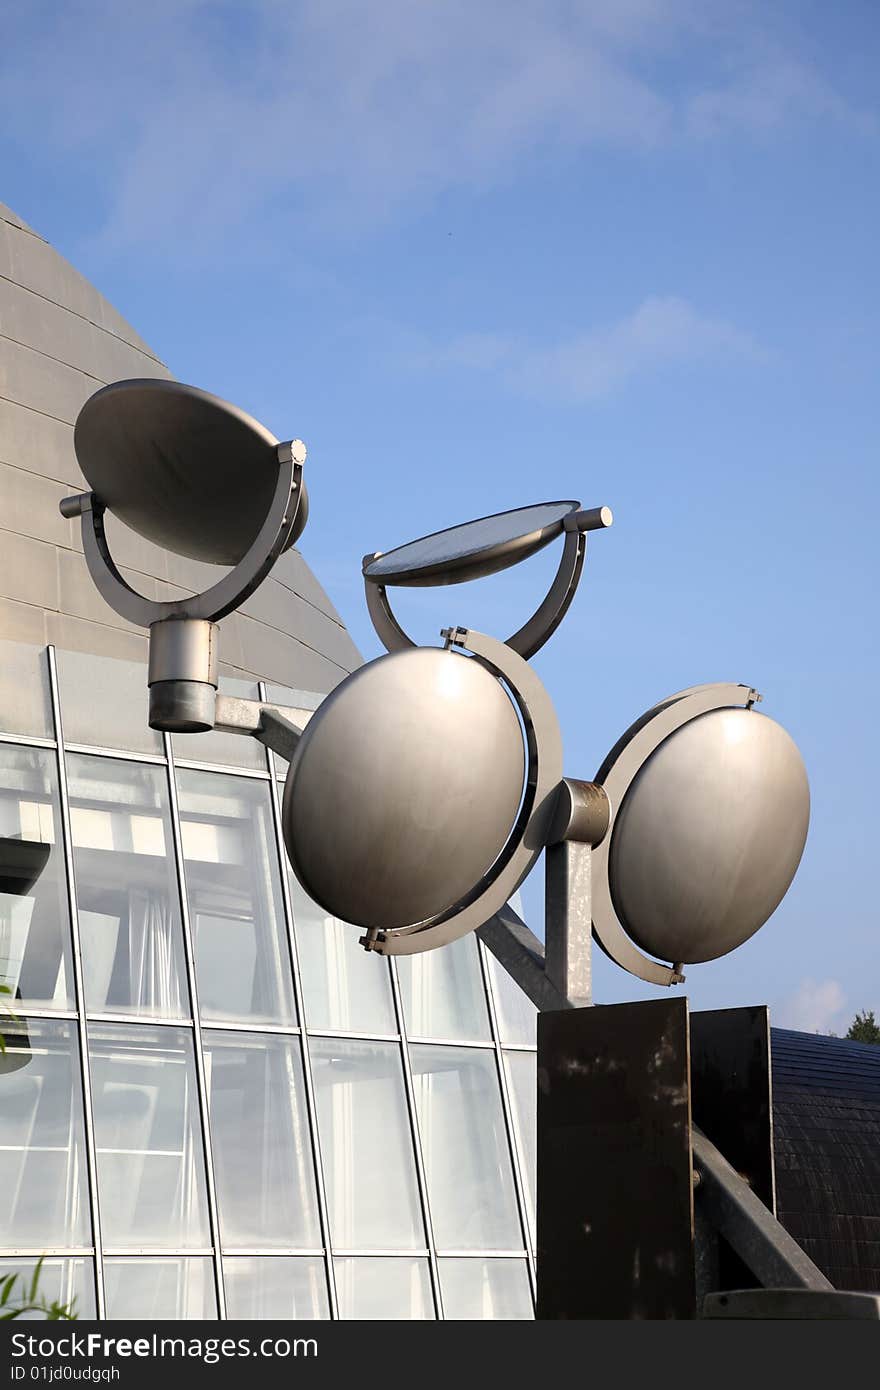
column 427, row 784
column 425, row 787
column 197, row 475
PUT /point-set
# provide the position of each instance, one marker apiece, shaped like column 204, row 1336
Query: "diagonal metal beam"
column 522, row 955
column 748, row 1226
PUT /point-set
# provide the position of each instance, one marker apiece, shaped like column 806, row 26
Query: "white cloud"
column 815, row 1007
column 662, row 331
column 204, row 116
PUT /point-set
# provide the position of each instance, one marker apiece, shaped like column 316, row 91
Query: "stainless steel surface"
column 592, row 519
column 582, row 813
column 388, row 629
column 404, row 788
column 182, row 707
column 539, row 628
column 568, row 920
column 529, row 835
column 749, row 1227
column 183, row 649
column 182, row 675
column 474, row 549
column 184, row 469
column 708, row 836
column 617, row 772
column 279, row 727
column 278, row 733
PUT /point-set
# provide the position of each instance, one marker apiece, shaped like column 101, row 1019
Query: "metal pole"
column 308, row 1079
column 198, row 1050
column 568, row 922
column 79, row 992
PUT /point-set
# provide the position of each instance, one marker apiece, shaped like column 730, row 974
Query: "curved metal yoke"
column 616, row 775
column 230, row 591
column 539, row 628
column 533, row 825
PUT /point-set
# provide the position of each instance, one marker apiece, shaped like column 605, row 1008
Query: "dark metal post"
column 615, row 1182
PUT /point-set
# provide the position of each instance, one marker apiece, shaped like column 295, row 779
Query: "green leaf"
column 6, row 1288
column 35, row 1282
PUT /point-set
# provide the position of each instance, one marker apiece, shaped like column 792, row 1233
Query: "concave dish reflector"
column 185, row 469
column 473, row 549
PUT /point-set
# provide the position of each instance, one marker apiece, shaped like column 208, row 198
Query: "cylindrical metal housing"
column 582, row 813
column 182, row 707
column 183, row 649
column 182, row 675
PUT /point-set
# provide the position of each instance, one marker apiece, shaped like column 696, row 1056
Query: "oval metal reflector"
column 709, row 835
column 404, row 788
column 183, row 468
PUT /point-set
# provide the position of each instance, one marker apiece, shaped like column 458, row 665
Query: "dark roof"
column 826, row 1117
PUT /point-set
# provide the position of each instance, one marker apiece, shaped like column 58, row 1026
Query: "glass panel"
column 465, row 1147
column 27, row 707
column 70, row 1281
column 105, row 702
column 149, row 1290
column 522, row 1085
column 516, row 1014
column 485, row 1289
column 126, row 888
column 272, row 1287
column 151, row 1173
column 369, row 1167
column 263, row 1162
column 34, row 917
column 234, row 890
column 233, row 750
column 43, row 1183
column 391, row 1288
column 344, row 987
column 443, row 994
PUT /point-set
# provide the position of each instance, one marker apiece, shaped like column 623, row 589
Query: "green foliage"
column 864, row 1028
column 18, row 1297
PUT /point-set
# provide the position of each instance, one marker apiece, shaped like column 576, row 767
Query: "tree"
column 864, row 1028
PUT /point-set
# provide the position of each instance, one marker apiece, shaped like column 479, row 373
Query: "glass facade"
column 213, row 1102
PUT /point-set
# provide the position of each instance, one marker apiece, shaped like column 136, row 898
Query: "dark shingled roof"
column 826, row 1117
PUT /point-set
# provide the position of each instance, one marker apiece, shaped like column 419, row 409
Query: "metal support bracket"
column 546, row 618
column 278, row 727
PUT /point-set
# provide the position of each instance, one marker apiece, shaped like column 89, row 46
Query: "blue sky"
column 478, row 255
